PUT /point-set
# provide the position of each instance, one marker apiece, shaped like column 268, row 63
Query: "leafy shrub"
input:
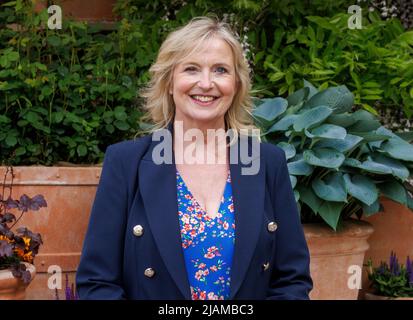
column 340, row 160
column 375, row 62
column 393, row 279
column 22, row 245
column 66, row 94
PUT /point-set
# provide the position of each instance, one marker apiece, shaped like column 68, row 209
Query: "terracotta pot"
column 12, row 288
column 39, row 5
column 69, row 193
column 393, row 231
column 91, row 10
column 332, row 253
column 371, row 296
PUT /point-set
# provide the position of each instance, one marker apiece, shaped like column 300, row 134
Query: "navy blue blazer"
column 133, row 190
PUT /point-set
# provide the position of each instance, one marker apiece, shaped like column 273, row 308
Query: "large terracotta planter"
column 80, row 10
column 12, row 288
column 332, row 253
column 371, row 296
column 69, row 193
column 393, row 231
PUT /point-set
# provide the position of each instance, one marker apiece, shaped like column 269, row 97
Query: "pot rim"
column 350, row 228
column 6, row 273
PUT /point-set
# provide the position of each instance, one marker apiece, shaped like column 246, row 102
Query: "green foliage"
column 393, row 279
column 66, row 94
column 340, row 159
column 375, row 62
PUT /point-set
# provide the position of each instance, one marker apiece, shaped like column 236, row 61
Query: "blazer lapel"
column 248, row 196
column 158, row 188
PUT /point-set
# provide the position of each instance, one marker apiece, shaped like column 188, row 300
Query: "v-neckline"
column 196, row 201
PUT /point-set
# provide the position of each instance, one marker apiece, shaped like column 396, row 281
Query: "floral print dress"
column 208, row 244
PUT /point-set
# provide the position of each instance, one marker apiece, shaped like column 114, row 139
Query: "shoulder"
column 271, row 152
column 274, row 159
column 129, row 149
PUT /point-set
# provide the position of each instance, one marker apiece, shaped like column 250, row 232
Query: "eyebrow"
column 223, row 64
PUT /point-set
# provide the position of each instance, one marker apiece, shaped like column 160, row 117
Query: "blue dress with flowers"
column 208, row 244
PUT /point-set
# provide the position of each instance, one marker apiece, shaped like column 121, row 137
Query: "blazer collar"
column 158, row 188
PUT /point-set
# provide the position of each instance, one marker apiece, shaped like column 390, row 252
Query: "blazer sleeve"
column 291, row 278
column 99, row 275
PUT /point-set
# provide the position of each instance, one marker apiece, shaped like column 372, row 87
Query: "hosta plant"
column 340, row 159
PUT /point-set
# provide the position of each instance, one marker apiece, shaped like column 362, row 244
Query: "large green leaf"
column 331, row 188
column 288, row 148
column 394, row 191
column 364, row 126
column 270, row 108
column 283, row 124
column 327, row 131
column 372, row 209
column 311, row 118
column 308, row 196
column 386, row 132
column 296, row 195
column 330, row 212
column 293, row 181
column 342, row 145
column 365, row 122
column 313, row 90
column 362, row 115
column 398, row 148
column 339, row 99
column 361, row 188
column 406, row 136
column 343, row 119
column 371, row 136
column 375, row 167
column 351, row 162
column 299, row 167
column 324, row 157
column 398, row 169
column 409, row 202
column 298, row 97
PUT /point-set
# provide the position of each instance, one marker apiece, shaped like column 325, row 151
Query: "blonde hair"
column 181, row 43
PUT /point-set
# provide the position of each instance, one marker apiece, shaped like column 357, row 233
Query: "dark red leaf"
column 8, row 217
column 6, row 249
column 11, row 204
column 38, row 202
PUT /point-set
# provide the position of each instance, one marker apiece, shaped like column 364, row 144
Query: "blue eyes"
column 217, row 69
column 221, row 70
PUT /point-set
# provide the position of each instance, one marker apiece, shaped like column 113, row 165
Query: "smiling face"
column 204, row 85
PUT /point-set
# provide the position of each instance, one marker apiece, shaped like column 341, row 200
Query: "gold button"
column 138, row 230
column 265, row 266
column 272, row 226
column 149, row 272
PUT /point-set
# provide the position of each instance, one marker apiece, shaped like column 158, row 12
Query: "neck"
column 201, row 144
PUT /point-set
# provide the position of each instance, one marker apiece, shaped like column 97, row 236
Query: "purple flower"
column 394, row 264
column 68, row 290
column 382, row 269
column 409, row 270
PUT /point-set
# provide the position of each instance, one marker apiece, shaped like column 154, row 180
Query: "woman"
column 188, row 228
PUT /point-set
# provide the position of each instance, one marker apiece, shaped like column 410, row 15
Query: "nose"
column 205, row 82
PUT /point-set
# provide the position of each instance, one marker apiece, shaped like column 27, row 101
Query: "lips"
column 204, row 100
